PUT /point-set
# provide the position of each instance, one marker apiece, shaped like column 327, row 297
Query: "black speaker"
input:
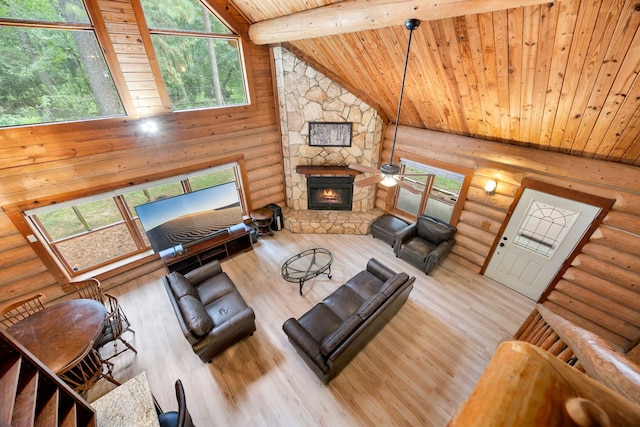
column 277, row 220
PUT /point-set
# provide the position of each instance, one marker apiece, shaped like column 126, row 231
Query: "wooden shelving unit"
column 32, row 395
column 237, row 240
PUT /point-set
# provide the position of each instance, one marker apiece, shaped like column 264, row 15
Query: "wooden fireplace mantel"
column 308, row 170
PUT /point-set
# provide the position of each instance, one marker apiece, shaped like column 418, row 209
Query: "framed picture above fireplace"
column 330, row 134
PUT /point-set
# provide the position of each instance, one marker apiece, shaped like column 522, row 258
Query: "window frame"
column 393, row 192
column 17, row 213
column 148, row 32
column 98, row 27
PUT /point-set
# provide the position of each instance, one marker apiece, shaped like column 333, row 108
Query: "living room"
column 53, row 163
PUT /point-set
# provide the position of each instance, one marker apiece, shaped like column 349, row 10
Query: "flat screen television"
column 190, row 217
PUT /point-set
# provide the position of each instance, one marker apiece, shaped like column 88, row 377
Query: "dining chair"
column 181, row 417
column 85, row 371
column 22, row 309
column 90, row 289
column 116, row 324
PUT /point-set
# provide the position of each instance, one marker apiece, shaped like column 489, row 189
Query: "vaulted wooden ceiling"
column 559, row 76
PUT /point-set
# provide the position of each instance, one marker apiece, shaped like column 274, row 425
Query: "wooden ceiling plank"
column 528, row 72
column 601, row 33
column 501, row 57
column 361, row 15
column 458, row 47
column 515, row 19
column 439, row 87
column 564, row 34
column 624, row 53
column 544, row 60
column 585, row 22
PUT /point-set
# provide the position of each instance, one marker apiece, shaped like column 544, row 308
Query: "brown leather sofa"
column 332, row 333
column 211, row 312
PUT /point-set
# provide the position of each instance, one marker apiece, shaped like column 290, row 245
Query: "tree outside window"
column 57, row 71
column 199, row 57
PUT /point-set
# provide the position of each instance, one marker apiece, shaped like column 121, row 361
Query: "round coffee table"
column 307, row 265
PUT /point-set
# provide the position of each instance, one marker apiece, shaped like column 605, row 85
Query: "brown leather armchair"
column 425, row 243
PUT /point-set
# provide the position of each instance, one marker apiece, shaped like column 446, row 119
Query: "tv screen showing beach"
column 189, row 217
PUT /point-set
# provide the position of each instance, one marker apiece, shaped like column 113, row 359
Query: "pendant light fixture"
column 388, row 174
column 391, row 170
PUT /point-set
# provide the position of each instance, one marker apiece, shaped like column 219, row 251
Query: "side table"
column 262, row 219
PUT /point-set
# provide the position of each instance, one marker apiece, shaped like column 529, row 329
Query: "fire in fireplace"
column 335, row 193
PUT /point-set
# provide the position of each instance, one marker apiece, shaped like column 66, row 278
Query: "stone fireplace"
column 306, row 95
column 329, row 193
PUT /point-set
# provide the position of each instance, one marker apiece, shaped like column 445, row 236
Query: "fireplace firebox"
column 329, row 193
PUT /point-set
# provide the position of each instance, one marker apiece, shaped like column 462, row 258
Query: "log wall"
column 601, row 289
column 47, row 160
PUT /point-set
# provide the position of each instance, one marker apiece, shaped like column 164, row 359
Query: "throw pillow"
column 181, row 286
column 195, row 316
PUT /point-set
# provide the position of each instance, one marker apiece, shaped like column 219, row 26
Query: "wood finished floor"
column 416, row 371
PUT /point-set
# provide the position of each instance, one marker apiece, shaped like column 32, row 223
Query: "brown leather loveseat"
column 211, row 312
column 332, row 333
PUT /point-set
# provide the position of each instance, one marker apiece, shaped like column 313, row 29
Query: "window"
column 57, row 71
column 200, row 58
column 82, row 235
column 442, row 191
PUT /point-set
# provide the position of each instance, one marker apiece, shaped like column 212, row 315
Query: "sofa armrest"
column 438, row 254
column 379, row 270
column 174, row 303
column 202, row 273
column 220, row 336
column 304, row 342
column 404, row 235
column 229, row 326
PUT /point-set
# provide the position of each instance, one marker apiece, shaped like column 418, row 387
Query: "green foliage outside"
column 439, row 182
column 53, row 75
column 56, row 75
column 199, row 72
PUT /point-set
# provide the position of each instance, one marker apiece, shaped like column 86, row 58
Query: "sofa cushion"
column 320, row 322
column 195, row 315
column 416, row 248
column 391, row 285
column 215, row 287
column 365, row 284
column 181, row 286
column 371, row 305
column 338, row 336
column 344, row 302
column 434, row 231
column 225, row 307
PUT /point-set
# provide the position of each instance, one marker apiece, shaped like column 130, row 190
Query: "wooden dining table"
column 60, row 333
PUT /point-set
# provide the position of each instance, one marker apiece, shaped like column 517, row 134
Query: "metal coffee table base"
column 307, row 265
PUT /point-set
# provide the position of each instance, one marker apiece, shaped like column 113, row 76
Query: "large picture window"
column 85, row 234
column 442, row 191
column 200, row 58
column 53, row 68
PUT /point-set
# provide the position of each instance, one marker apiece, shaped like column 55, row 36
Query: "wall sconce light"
column 149, row 127
column 490, row 186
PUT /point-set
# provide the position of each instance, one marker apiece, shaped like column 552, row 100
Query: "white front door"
column 541, row 234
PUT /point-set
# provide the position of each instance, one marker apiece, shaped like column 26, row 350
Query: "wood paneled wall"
column 601, row 289
column 38, row 162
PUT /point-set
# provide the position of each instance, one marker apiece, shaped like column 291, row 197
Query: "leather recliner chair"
column 425, row 243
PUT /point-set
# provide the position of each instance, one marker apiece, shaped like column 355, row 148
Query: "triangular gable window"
column 200, row 58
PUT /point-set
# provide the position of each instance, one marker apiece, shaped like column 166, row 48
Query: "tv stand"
column 202, row 251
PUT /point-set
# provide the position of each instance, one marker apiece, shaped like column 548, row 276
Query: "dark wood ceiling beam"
column 360, row 15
